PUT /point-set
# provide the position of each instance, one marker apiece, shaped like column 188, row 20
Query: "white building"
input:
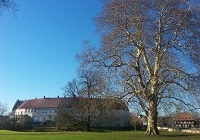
column 45, row 109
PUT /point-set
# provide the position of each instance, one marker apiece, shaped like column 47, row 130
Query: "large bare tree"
column 154, row 46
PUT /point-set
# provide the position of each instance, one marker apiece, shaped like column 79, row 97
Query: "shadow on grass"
column 178, row 135
column 110, row 129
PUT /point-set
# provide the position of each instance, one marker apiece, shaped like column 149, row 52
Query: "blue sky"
column 38, row 45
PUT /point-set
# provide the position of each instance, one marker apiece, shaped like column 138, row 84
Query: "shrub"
column 24, row 123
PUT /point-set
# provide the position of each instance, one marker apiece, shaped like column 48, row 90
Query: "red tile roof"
column 17, row 104
column 46, row 103
column 183, row 116
column 69, row 103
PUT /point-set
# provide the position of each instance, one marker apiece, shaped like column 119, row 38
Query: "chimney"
column 58, row 96
column 44, row 97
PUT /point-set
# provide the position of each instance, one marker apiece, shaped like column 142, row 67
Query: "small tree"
column 3, row 109
column 68, row 119
column 72, row 89
column 90, row 101
column 134, row 121
column 90, row 84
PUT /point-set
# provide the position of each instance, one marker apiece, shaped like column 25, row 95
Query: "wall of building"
column 38, row 114
column 107, row 118
column 112, row 118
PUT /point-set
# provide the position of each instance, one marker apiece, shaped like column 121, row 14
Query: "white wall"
column 39, row 114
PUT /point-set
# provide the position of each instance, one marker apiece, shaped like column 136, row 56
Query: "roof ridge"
column 67, row 102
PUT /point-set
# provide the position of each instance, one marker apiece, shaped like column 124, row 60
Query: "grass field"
column 120, row 135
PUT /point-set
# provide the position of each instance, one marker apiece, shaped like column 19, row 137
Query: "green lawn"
column 124, row 135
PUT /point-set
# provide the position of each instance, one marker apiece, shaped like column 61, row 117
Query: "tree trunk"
column 152, row 118
column 152, row 112
column 88, row 121
column 88, row 126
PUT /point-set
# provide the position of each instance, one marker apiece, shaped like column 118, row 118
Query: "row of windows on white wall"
column 40, row 110
column 37, row 111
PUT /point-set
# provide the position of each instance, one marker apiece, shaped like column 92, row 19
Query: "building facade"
column 115, row 114
column 184, row 120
